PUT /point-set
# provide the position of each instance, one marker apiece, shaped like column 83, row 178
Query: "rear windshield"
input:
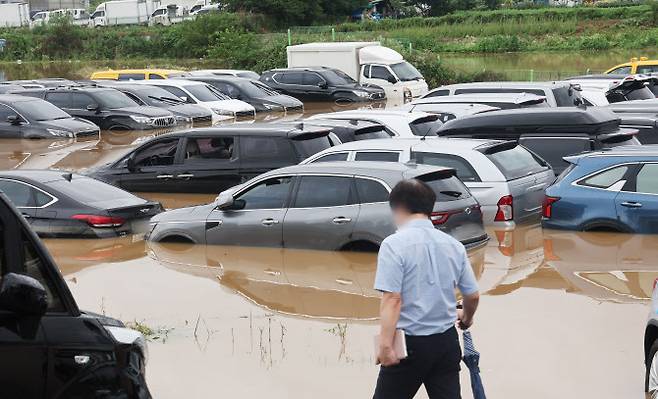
column 448, row 189
column 376, row 134
column 89, row 191
column 306, row 148
column 427, row 126
column 517, row 162
column 567, row 97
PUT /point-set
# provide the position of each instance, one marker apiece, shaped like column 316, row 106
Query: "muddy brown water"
column 562, row 314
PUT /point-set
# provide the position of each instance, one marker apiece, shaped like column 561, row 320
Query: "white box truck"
column 123, row 12
column 13, row 15
column 365, row 62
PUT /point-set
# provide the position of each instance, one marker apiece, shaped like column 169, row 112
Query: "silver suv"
column 327, row 206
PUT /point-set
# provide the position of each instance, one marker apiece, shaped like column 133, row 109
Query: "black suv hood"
column 152, row 112
column 281, row 99
column 189, row 110
column 356, row 86
column 73, row 125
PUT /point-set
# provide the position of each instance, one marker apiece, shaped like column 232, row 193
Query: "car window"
column 266, row 149
column 89, row 191
column 155, row 76
column 381, row 156
column 208, row 149
column 554, row 149
column 5, row 112
column 370, row 191
column 306, row 148
column 269, row 194
column 607, row 178
column 426, row 126
column 81, row 101
column 647, row 179
column 380, row 72
column 23, row 195
column 62, row 100
column 324, row 191
column 179, row 93
column 438, row 93
column 204, row 93
column 131, row 76
column 538, row 92
column 648, row 69
column 516, row 162
column 366, row 71
column 291, row 78
column 464, row 169
column 567, row 96
column 134, row 98
column 625, row 70
column 447, row 188
column 227, row 89
column 338, row 156
column 312, row 79
column 34, row 268
column 160, row 153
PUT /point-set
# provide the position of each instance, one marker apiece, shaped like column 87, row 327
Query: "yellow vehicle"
column 635, row 65
column 137, row 74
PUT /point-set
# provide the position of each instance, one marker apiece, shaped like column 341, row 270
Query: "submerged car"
column 601, row 92
column 258, row 94
column 613, row 190
column 61, row 204
column 211, row 160
column 49, row 347
column 325, row 206
column 397, row 123
column 107, row 108
column 352, row 130
column 32, row 118
column 507, row 180
column 496, row 100
column 320, row 84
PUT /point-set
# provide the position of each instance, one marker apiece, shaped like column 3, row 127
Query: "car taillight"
column 439, row 218
column 100, row 221
column 505, row 209
column 654, row 284
column 547, row 206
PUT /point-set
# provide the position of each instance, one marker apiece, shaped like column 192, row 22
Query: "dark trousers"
column 433, row 361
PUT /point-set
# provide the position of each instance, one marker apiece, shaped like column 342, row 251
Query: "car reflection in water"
column 316, row 284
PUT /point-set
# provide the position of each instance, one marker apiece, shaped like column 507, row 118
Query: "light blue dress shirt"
column 425, row 266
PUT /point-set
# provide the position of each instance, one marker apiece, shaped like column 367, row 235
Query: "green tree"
column 298, row 12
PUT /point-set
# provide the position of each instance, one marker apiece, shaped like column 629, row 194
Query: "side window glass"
column 5, row 112
column 371, row 191
column 324, row 191
column 131, row 76
column 155, row 76
column 208, row 149
column 270, row 194
column 380, row 156
column 465, row 171
column 607, row 178
column 554, row 149
column 80, row 101
column 177, row 92
column 291, row 78
column 312, row 79
column 626, row 70
column 648, row 69
column 439, row 93
column 366, row 71
column 339, row 156
column 380, row 72
column 647, row 179
column 61, row 100
column 263, row 149
column 22, row 195
column 161, row 153
column 34, row 268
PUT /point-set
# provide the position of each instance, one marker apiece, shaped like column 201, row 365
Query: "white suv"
column 507, row 180
column 399, row 123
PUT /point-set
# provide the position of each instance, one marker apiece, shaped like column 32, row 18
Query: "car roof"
column 88, row 89
column 512, row 98
column 224, row 78
column 38, row 176
column 388, row 171
column 549, row 84
column 280, row 129
column 411, row 116
column 15, row 98
column 402, row 143
column 170, row 82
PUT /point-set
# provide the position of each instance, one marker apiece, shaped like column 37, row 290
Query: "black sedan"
column 32, row 118
column 108, row 108
column 61, row 204
column 256, row 93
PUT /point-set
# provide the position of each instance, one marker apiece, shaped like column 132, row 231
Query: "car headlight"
column 142, row 120
column 362, row 94
column 59, row 133
column 224, row 112
column 129, row 336
column 183, row 119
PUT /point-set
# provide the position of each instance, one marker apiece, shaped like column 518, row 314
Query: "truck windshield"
column 337, row 77
column 406, row 72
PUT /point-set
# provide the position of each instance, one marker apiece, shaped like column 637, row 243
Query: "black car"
column 552, row 133
column 108, row 108
column 43, row 82
column 211, row 160
column 259, row 95
column 48, row 347
column 158, row 97
column 32, row 118
column 320, row 84
column 352, row 130
column 61, row 204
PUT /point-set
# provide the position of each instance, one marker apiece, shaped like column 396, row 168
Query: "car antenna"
column 68, row 176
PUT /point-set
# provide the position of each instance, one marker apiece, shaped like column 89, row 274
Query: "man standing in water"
column 418, row 269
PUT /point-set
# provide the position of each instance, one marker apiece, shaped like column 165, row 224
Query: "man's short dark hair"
column 414, row 196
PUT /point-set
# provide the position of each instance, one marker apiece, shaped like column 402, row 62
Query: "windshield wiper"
column 455, row 194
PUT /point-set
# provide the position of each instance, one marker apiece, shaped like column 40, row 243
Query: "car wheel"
column 652, row 353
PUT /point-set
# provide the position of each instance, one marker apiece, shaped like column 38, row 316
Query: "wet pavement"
column 562, row 314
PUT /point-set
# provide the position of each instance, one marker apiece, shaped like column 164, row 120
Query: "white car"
column 400, row 123
column 238, row 73
column 507, row 180
column 222, row 106
column 605, row 91
column 448, row 111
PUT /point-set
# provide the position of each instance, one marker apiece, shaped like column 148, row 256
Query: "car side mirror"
column 14, row 120
column 225, row 201
column 23, row 295
column 392, row 79
column 93, row 108
column 323, row 85
column 130, row 163
column 184, row 98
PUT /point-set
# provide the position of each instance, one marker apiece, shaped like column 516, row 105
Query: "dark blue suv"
column 610, row 190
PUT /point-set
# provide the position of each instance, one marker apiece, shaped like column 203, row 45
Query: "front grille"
column 87, row 133
column 202, row 119
column 297, row 108
column 242, row 114
column 165, row 121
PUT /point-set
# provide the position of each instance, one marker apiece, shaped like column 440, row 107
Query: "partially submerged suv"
column 397, row 123
column 326, row 206
column 211, row 160
column 507, row 180
column 48, row 347
column 497, row 100
column 551, row 133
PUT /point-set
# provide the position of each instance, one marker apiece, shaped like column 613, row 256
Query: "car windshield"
column 248, row 75
column 205, row 93
column 406, row 72
column 426, row 126
column 114, row 99
column 89, row 191
column 516, row 162
column 256, row 89
column 157, row 97
column 337, row 77
column 40, row 111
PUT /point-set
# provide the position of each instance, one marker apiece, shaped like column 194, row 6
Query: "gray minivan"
column 326, row 206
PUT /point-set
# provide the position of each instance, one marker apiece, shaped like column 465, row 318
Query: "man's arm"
column 470, row 305
column 389, row 310
column 468, row 286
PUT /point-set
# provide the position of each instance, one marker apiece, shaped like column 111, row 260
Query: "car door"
column 80, row 102
column 315, row 87
column 637, row 203
column 209, row 164
column 154, row 168
column 256, row 217
column 9, row 129
column 322, row 214
column 291, row 83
